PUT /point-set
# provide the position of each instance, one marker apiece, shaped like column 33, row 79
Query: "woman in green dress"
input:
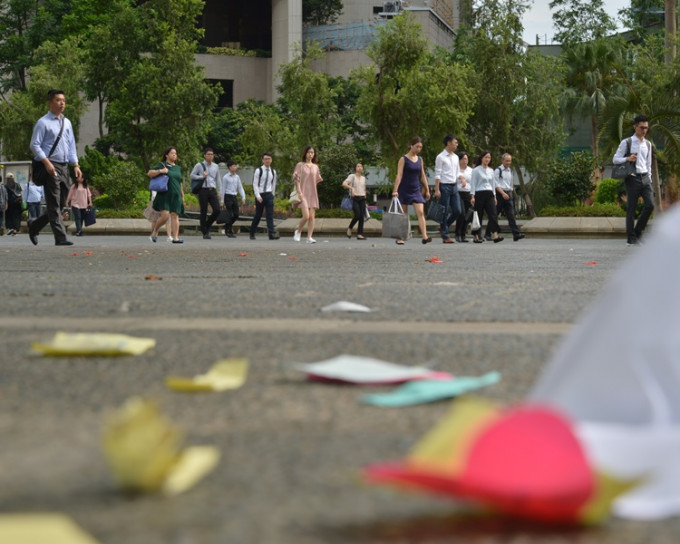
column 170, row 202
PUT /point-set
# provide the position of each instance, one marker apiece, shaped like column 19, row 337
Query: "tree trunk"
column 670, row 31
column 525, row 193
column 593, row 127
column 656, row 184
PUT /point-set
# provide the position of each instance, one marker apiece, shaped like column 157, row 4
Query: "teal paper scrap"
column 423, row 391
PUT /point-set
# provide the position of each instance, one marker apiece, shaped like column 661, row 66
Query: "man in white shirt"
column 209, row 173
column 447, row 175
column 231, row 183
column 505, row 190
column 638, row 184
column 264, row 187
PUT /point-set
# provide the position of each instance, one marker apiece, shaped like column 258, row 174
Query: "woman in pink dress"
column 306, row 176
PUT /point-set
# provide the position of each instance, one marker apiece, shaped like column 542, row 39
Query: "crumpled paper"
column 344, row 306
column 67, row 344
column 41, row 529
column 224, row 375
column 144, row 451
column 525, row 462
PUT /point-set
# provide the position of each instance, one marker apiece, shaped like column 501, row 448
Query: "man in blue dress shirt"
column 57, row 182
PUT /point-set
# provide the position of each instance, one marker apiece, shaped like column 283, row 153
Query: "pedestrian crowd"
column 463, row 195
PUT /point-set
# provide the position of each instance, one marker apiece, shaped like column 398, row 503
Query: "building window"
column 226, row 99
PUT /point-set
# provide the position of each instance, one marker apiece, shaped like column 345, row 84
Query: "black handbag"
column 435, row 211
column 223, row 217
column 196, row 184
column 90, row 217
column 623, row 170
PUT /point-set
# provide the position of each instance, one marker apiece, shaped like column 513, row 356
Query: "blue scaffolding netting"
column 348, row 37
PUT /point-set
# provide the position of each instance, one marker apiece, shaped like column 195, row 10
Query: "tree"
column 307, row 100
column 570, row 178
column 580, row 21
column 321, row 12
column 409, row 91
column 649, row 87
column 161, row 99
column 26, row 24
column 56, row 66
column 641, row 14
column 516, row 93
column 590, row 79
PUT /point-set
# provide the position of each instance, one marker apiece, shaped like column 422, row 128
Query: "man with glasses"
column 208, row 173
column 638, row 150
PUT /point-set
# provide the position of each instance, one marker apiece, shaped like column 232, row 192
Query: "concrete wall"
column 340, row 63
column 252, row 76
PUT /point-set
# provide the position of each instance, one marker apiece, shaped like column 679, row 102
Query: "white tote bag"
column 476, row 225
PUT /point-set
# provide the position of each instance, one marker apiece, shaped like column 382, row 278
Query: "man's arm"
column 197, row 172
column 256, row 182
column 620, row 155
column 239, row 188
column 437, row 175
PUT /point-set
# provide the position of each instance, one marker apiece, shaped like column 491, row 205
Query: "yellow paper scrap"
column 144, row 451
column 194, row 463
column 598, row 507
column 93, row 344
column 225, row 374
column 141, row 446
column 41, row 529
column 444, row 449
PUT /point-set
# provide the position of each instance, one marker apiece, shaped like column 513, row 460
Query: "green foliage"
column 120, row 183
column 321, row 12
column 416, row 92
column 95, row 163
column 57, row 66
column 228, row 51
column 596, row 210
column 128, row 213
column 104, row 202
column 609, row 190
column 580, row 21
column 329, row 213
column 307, row 100
column 570, row 178
column 337, row 163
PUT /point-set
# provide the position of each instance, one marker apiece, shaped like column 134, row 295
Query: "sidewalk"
column 556, row 227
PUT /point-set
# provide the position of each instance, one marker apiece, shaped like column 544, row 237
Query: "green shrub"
column 609, row 190
column 121, row 183
column 570, row 178
column 95, row 163
column 129, row 213
column 103, row 202
column 329, row 213
column 596, row 210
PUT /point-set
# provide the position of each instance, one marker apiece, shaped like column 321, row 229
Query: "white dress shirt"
column 232, row 184
column 212, row 180
column 467, row 174
column 504, row 179
column 265, row 183
column 482, row 180
column 447, row 168
column 643, row 148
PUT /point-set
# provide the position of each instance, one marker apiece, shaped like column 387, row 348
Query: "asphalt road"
column 291, row 450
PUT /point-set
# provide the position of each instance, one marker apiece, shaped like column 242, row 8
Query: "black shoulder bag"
column 40, row 174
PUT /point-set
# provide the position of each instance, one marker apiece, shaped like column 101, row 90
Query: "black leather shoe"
column 252, row 237
column 498, row 239
column 63, row 243
column 207, row 236
column 488, row 238
column 32, row 236
column 518, row 236
column 231, row 235
column 464, row 240
column 274, row 237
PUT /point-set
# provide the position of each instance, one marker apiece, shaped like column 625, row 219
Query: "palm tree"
column 663, row 111
column 589, row 79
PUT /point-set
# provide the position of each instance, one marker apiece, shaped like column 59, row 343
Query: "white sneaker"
column 296, row 236
column 311, row 241
column 169, row 238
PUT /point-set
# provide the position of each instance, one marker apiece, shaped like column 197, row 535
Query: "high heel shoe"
column 349, row 233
